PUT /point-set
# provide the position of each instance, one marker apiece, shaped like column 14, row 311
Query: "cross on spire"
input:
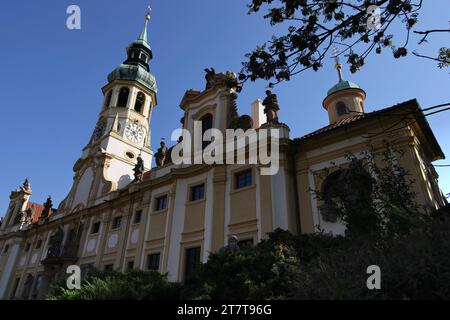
column 338, row 64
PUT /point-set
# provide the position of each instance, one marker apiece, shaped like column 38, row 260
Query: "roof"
column 36, row 210
column 411, row 104
column 343, row 85
column 134, row 73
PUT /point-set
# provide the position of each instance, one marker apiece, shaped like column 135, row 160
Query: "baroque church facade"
column 122, row 214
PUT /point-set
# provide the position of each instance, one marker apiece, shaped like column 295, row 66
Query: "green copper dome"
column 134, row 73
column 343, row 85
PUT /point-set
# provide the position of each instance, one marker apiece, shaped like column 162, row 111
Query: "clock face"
column 99, row 130
column 134, row 132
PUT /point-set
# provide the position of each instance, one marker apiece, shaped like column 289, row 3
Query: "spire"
column 338, row 64
column 143, row 36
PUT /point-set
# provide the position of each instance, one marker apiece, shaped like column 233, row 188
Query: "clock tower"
column 122, row 132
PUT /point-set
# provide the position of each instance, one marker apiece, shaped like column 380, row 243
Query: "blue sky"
column 51, row 77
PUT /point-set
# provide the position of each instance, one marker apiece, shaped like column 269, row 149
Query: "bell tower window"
column 341, row 108
column 123, row 97
column 140, row 101
column 107, row 100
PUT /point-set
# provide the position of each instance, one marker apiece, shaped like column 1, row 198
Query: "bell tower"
column 122, row 132
column 345, row 99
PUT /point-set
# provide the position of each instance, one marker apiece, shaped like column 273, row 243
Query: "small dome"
column 134, row 73
column 343, row 85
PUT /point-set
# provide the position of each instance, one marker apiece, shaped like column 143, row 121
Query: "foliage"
column 135, row 285
column 307, row 266
column 316, row 26
column 372, row 196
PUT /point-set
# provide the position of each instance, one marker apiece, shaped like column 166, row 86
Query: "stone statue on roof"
column 139, row 169
column 210, row 78
column 47, row 208
column 161, row 154
column 271, row 107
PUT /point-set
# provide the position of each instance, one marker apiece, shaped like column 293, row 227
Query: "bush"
column 134, row 285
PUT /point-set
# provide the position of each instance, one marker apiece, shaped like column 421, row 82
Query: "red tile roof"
column 36, row 210
column 410, row 107
column 347, row 121
column 335, row 125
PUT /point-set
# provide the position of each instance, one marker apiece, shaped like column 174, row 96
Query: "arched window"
column 341, row 109
column 140, row 101
column 207, row 122
column 123, row 97
column 107, row 100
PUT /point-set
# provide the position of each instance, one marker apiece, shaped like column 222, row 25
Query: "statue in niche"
column 161, row 154
column 271, row 107
column 210, row 78
column 139, row 169
column 55, row 244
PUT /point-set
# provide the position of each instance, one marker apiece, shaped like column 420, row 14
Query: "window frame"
column 137, row 213
column 38, row 244
column 192, row 193
column 94, row 227
column 115, row 219
column 119, row 97
column 242, row 172
column 186, row 272
column 149, row 256
column 157, row 199
column 141, row 110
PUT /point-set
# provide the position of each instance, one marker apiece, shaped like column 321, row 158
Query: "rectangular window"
column 117, row 223
column 198, row 192
column 95, row 227
column 27, row 247
column 243, row 179
column 5, row 249
column 109, row 267
column 14, row 290
column 38, row 244
column 130, row 265
column 192, row 262
column 245, row 244
column 153, row 261
column 138, row 216
column 161, row 203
